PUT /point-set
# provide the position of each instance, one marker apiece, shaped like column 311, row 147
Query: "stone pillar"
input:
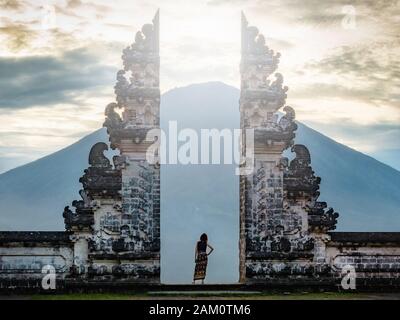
column 138, row 96
column 119, row 213
column 278, row 200
column 81, row 252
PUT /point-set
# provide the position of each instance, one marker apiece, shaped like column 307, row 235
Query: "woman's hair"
column 204, row 237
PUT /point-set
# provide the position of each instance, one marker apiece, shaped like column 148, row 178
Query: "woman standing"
column 201, row 258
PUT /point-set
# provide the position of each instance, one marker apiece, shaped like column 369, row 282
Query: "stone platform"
column 127, row 287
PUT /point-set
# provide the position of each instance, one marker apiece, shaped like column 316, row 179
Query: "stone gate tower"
column 116, row 225
column 282, row 224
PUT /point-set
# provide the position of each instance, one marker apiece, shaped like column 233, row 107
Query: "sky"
column 58, row 61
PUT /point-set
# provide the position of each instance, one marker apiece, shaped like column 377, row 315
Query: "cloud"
column 18, row 35
column 373, row 94
column 372, row 139
column 11, row 4
column 77, row 5
column 320, row 13
column 29, row 37
column 370, row 72
column 74, row 3
column 364, row 61
column 46, row 80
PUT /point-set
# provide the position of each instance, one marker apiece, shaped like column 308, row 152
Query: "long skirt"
column 201, row 266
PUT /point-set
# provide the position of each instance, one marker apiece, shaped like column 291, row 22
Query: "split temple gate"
column 112, row 234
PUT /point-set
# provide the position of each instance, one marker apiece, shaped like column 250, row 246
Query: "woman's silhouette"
column 201, row 258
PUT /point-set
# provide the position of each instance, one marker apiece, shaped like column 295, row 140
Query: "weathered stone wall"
column 375, row 256
column 141, row 206
column 24, row 254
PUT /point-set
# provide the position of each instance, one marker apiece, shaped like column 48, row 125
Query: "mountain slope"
column 33, row 196
column 363, row 190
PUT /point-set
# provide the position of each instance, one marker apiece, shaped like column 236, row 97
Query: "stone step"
column 203, row 293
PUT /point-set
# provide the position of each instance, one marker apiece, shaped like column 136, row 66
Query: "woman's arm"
column 195, row 253
column 211, row 249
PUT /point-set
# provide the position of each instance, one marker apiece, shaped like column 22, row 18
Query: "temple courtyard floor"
column 127, row 291
column 208, row 295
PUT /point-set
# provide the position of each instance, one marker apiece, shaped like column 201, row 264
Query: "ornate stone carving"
column 141, row 207
column 113, row 120
column 97, row 159
column 82, row 218
column 279, row 208
column 121, row 208
column 256, row 52
column 287, row 121
column 299, row 179
column 100, row 179
column 137, row 89
column 320, row 220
